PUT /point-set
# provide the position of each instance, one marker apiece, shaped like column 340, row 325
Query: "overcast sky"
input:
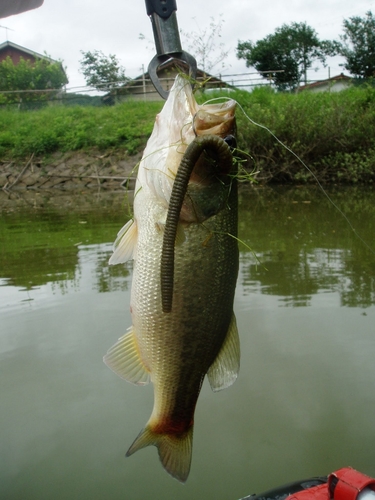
column 64, row 28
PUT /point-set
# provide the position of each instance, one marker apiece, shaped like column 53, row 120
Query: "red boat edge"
column 343, row 484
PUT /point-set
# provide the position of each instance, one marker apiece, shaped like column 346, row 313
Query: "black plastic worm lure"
column 218, row 149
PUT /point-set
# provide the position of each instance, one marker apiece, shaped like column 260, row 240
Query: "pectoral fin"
column 125, row 243
column 224, row 370
column 123, row 358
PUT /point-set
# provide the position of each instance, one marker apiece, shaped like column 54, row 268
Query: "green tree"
column 287, row 54
column 102, row 72
column 26, row 81
column 358, row 45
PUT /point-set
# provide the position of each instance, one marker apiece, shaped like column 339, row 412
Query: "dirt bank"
column 71, row 171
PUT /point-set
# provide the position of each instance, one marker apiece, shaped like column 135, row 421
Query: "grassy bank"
column 59, row 128
column 332, row 133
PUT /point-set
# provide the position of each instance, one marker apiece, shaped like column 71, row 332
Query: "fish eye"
column 231, row 141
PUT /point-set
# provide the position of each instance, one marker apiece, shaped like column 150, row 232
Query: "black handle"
column 163, row 8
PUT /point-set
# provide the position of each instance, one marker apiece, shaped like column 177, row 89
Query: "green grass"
column 332, row 133
column 58, row 128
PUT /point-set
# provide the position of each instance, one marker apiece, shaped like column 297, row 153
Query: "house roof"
column 133, row 84
column 182, row 65
column 10, row 45
column 320, row 83
column 176, row 63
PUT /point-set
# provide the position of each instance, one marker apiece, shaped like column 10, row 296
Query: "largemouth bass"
column 183, row 243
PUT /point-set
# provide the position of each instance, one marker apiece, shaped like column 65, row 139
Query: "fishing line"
column 304, row 164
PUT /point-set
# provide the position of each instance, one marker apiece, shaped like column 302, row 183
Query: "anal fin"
column 123, row 358
column 224, row 370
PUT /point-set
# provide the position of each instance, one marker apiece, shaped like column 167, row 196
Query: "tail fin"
column 174, row 450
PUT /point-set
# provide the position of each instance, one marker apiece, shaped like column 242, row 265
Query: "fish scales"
column 199, row 336
column 202, row 308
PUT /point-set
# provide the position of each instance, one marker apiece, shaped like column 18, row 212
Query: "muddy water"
column 304, row 403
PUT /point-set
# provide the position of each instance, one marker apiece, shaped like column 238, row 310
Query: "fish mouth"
column 215, row 119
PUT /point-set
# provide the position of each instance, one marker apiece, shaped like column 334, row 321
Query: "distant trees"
column 293, row 48
column 290, row 51
column 102, row 72
column 358, row 45
column 21, row 82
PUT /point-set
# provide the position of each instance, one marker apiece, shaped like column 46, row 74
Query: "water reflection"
column 51, row 246
column 110, row 278
column 300, row 245
column 303, row 246
column 304, row 401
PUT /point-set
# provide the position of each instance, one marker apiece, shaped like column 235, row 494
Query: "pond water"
column 303, row 405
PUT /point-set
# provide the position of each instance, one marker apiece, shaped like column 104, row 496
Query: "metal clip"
column 167, row 40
